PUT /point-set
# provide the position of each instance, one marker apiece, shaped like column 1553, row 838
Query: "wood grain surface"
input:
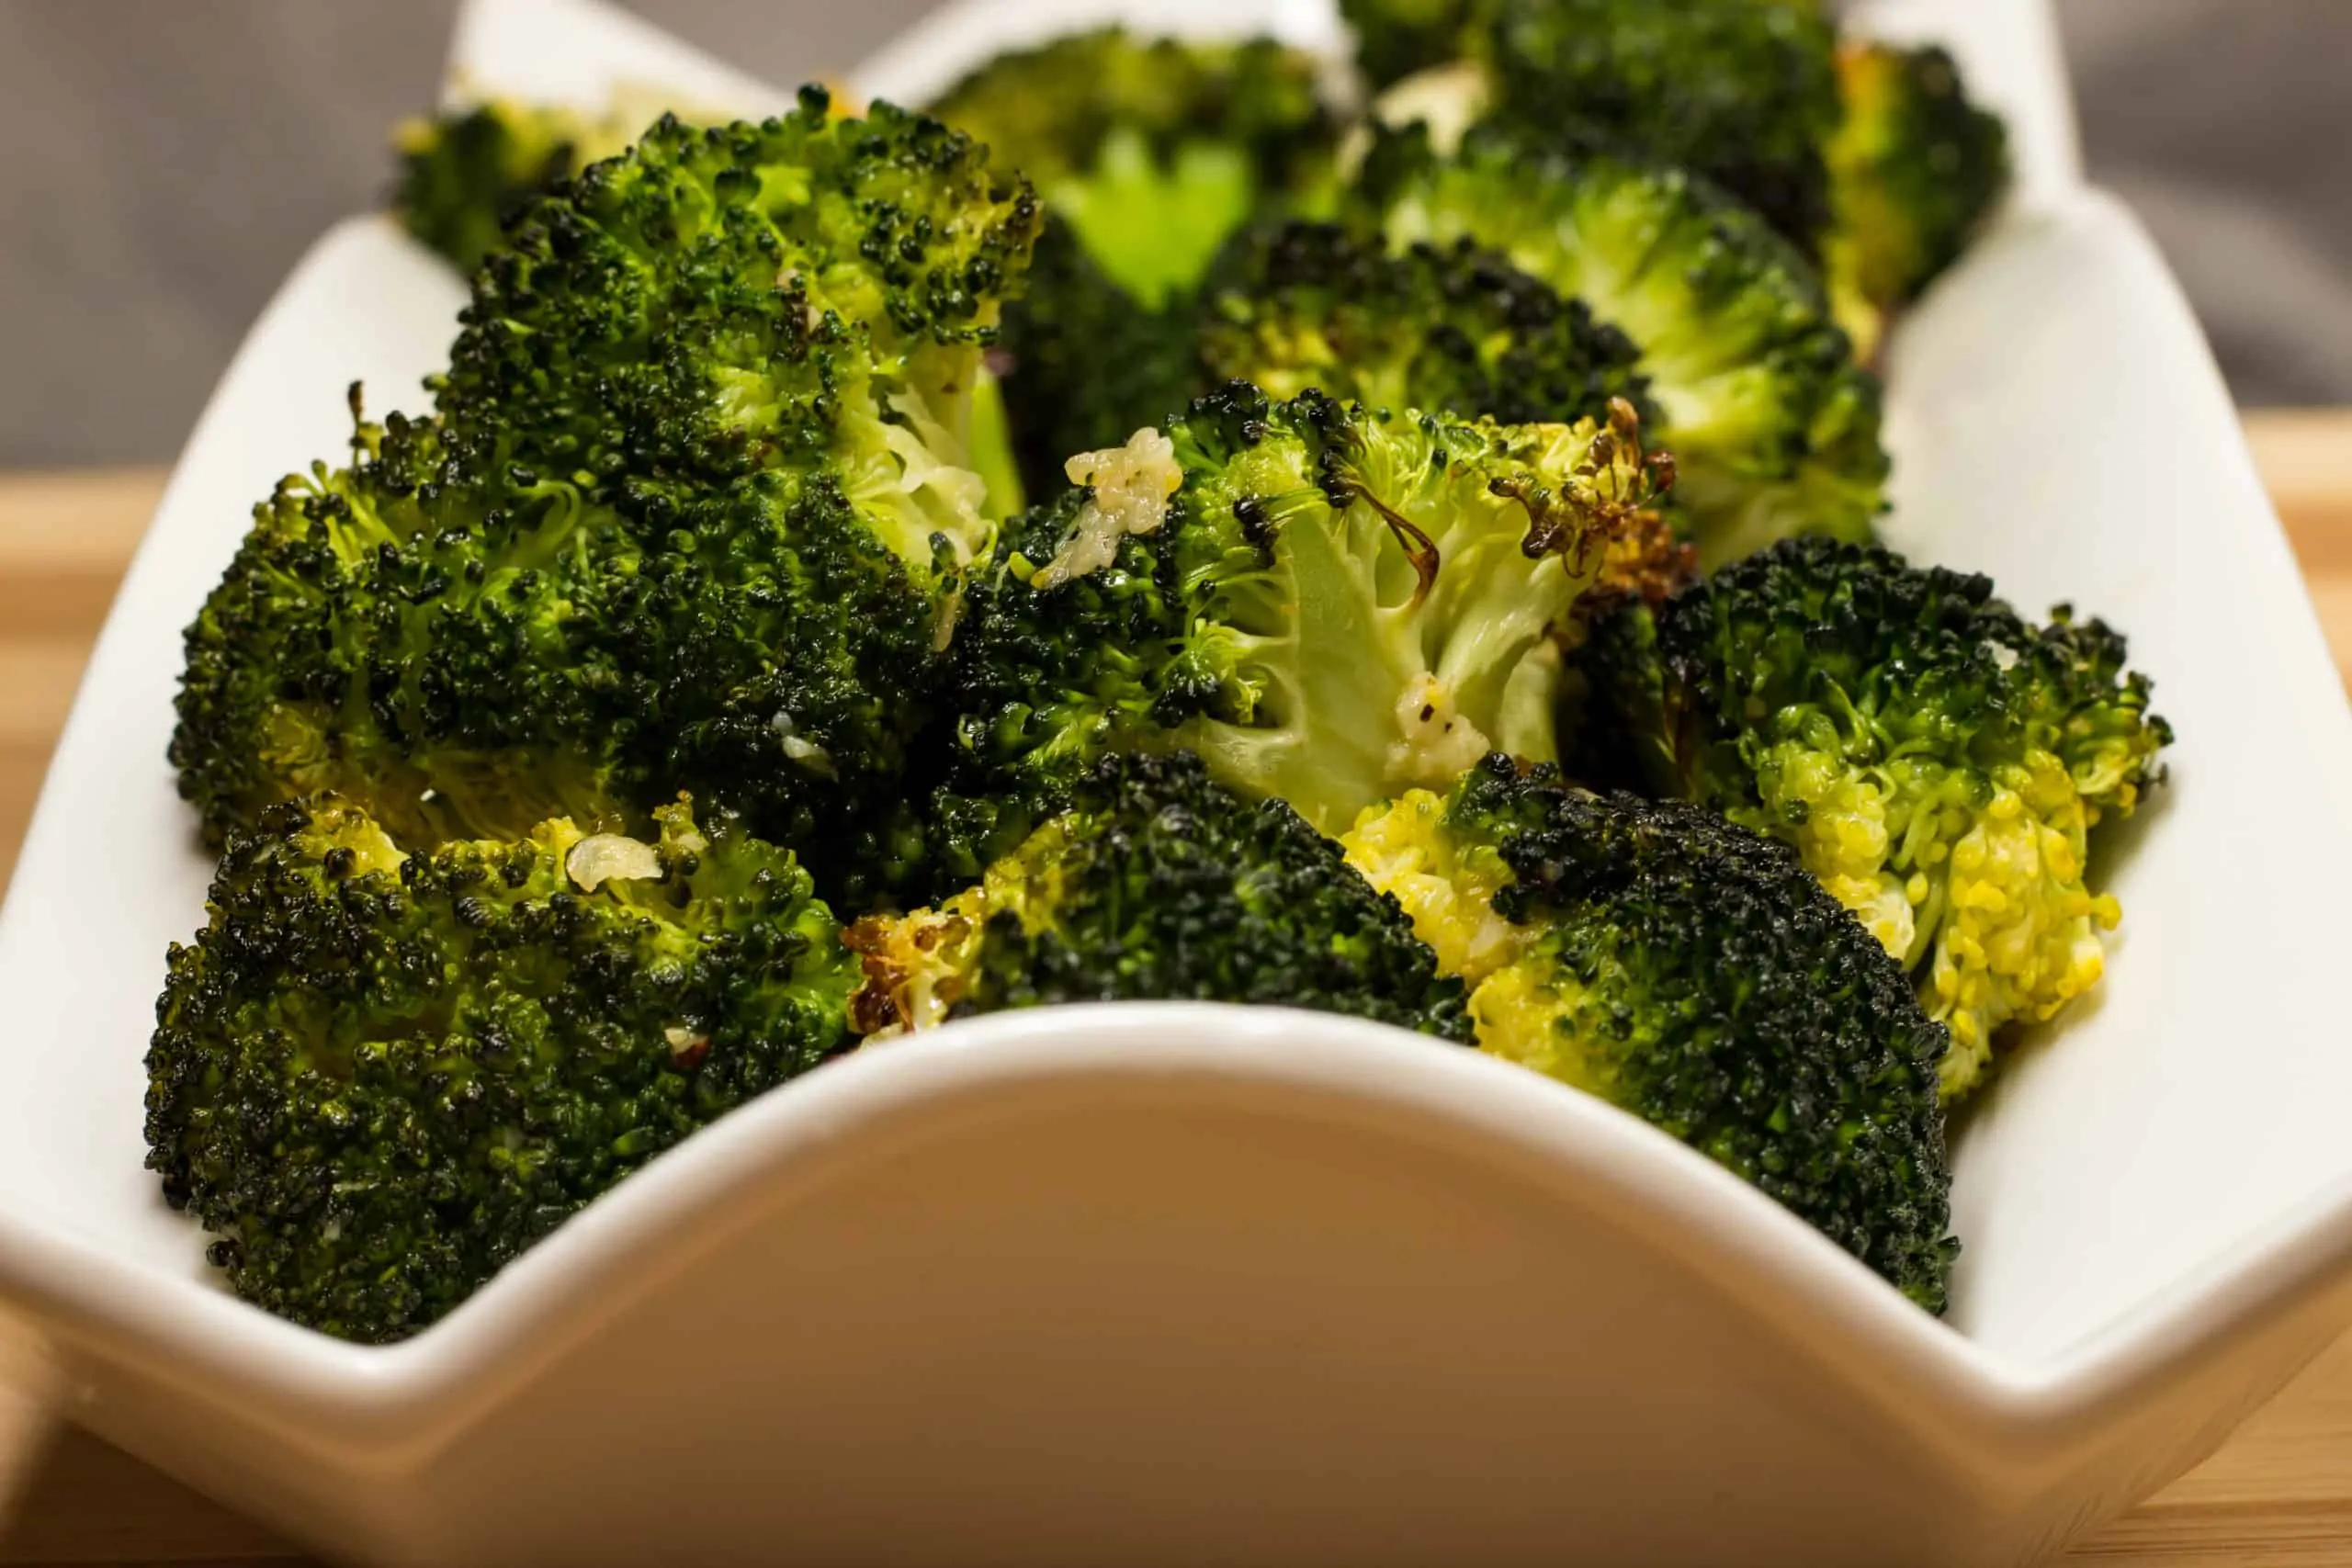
column 2278, row 1496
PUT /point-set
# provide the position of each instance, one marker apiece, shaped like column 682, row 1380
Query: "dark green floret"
column 1306, row 304
column 1157, row 884
column 1939, row 762
column 1328, row 602
column 696, row 510
column 1773, row 425
column 1691, row 972
column 468, row 658
column 378, row 1078
column 808, row 292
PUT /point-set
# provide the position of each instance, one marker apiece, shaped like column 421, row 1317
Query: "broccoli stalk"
column 377, row 1078
column 1937, row 761
column 1685, row 970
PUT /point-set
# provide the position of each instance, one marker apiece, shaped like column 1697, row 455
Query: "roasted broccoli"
column 1451, row 327
column 1330, row 604
column 1937, row 761
column 377, row 1078
column 1153, row 150
column 1741, row 92
column 693, row 513
column 1086, row 363
column 1689, row 971
column 808, row 293
column 1156, row 884
column 1319, row 305
column 1915, row 169
column 1149, row 154
column 1773, row 425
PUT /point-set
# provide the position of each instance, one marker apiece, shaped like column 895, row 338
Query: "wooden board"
column 2278, row 1494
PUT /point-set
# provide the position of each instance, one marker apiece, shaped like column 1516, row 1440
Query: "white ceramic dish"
column 1180, row 1284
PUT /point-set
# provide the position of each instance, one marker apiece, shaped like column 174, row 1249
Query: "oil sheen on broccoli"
column 1773, row 425
column 695, row 511
column 1937, row 761
column 1915, row 170
column 1689, row 971
column 1328, row 603
column 377, row 1078
column 1157, row 883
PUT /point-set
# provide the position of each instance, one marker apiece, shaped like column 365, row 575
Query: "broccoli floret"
column 1741, row 92
column 468, row 659
column 694, row 512
column 1328, row 602
column 1153, row 150
column 1915, row 170
column 808, row 293
column 1689, row 971
column 1937, row 761
column 377, row 1078
column 1299, row 304
column 463, row 173
column 1150, row 154
column 1773, row 425
column 1087, row 365
column 1309, row 304
column 1319, row 305
column 1157, row 884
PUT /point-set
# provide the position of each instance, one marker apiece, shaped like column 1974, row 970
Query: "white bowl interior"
column 2057, row 422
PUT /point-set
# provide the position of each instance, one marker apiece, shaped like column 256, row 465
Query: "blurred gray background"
column 168, row 161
